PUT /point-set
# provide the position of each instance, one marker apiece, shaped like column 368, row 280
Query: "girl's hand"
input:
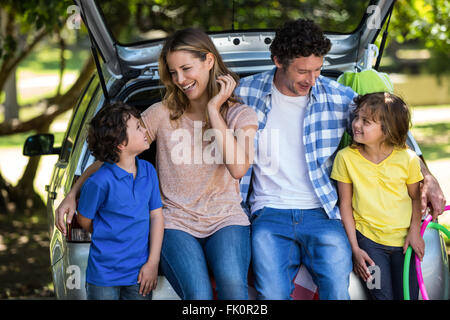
column 148, row 278
column 415, row 240
column 227, row 85
column 360, row 260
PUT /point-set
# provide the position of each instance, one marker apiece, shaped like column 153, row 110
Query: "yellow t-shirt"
column 382, row 207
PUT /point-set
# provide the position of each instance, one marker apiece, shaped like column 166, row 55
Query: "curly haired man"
column 288, row 191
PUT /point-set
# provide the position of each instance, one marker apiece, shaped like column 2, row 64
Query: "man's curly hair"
column 299, row 38
column 108, row 129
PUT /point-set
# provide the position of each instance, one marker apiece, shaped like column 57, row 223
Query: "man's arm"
column 430, row 192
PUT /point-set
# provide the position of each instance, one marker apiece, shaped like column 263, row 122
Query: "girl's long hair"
column 392, row 113
column 199, row 44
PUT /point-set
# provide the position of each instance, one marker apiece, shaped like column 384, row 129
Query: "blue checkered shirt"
column 327, row 118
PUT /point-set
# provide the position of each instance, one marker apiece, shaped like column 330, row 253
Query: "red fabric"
column 304, row 286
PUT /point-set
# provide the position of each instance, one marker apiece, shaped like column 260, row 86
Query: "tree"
column 427, row 22
column 29, row 22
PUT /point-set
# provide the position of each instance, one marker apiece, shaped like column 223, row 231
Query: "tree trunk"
column 22, row 198
column 11, row 105
column 56, row 105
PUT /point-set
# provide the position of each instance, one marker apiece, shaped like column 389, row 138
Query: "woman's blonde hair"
column 391, row 112
column 199, row 44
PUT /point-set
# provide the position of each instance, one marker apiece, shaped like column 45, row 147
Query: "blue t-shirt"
column 120, row 209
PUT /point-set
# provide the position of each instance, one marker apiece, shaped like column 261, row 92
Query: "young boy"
column 114, row 205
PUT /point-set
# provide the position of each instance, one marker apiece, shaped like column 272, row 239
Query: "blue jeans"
column 185, row 261
column 282, row 239
column 390, row 261
column 115, row 293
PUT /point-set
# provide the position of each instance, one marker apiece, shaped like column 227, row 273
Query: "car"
column 129, row 73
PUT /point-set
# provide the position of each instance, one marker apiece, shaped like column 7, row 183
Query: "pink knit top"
column 199, row 194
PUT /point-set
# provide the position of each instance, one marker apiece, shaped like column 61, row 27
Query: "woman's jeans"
column 94, row 292
column 282, row 239
column 186, row 261
column 390, row 262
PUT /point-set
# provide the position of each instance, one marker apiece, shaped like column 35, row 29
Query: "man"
column 293, row 203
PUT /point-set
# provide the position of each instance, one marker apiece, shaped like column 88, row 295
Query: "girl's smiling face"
column 190, row 73
column 367, row 129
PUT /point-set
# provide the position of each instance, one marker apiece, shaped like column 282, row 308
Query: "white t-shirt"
column 281, row 178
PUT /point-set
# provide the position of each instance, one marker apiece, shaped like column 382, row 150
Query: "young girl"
column 378, row 182
column 204, row 145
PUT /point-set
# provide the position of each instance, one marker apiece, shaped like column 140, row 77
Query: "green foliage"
column 426, row 21
column 30, row 16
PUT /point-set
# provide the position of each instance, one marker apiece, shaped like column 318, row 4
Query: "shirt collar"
column 120, row 173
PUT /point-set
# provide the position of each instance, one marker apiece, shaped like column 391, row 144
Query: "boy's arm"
column 148, row 275
column 156, row 234
column 69, row 205
column 84, row 222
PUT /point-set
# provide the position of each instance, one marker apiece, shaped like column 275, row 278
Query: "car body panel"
column 121, row 61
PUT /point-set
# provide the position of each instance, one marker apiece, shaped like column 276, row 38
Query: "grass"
column 46, row 60
column 434, row 140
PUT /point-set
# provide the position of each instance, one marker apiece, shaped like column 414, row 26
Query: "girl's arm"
column 346, row 209
column 148, row 275
column 69, row 205
column 237, row 154
column 414, row 238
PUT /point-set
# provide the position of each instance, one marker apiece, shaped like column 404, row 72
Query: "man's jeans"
column 282, row 239
column 185, row 260
column 115, row 293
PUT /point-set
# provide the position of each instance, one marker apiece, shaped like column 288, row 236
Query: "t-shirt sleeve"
column 91, row 198
column 241, row 116
column 340, row 171
column 151, row 118
column 155, row 196
column 415, row 174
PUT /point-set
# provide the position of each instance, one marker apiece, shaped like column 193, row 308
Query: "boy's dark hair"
column 299, row 38
column 108, row 129
column 391, row 112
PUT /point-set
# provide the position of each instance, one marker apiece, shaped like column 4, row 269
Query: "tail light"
column 75, row 233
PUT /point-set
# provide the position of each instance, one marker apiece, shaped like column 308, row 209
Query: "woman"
column 205, row 144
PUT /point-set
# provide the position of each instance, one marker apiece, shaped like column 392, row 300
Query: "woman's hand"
column 227, row 85
column 67, row 206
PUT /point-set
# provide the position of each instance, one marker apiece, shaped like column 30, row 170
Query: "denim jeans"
column 390, row 261
column 115, row 293
column 282, row 239
column 186, row 260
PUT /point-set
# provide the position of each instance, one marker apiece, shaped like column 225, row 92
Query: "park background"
column 44, row 65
